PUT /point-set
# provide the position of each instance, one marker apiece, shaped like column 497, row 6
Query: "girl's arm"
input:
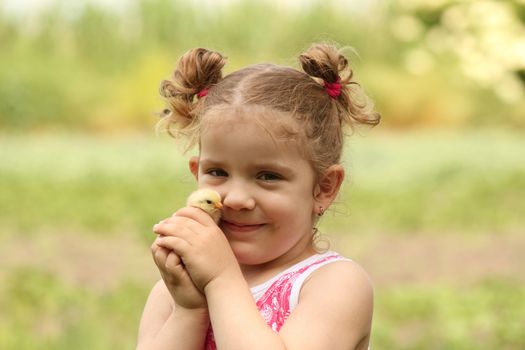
column 166, row 326
column 335, row 305
column 176, row 314
column 334, row 312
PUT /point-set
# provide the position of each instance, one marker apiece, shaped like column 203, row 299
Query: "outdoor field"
column 436, row 219
column 433, row 204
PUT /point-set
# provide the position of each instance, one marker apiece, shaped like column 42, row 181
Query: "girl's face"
column 266, row 185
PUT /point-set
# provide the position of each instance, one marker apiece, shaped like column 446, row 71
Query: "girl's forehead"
column 249, row 127
column 280, row 126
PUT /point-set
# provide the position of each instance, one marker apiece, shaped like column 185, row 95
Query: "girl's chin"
column 246, row 253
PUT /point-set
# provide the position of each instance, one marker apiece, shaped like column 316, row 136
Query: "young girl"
column 270, row 140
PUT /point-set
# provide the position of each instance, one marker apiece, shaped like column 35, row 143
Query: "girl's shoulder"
column 321, row 273
column 336, row 298
column 335, row 270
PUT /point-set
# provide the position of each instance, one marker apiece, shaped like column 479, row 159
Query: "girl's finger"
column 174, row 264
column 173, row 259
column 154, row 247
column 196, row 214
column 178, row 221
column 178, row 245
column 159, row 254
column 174, row 230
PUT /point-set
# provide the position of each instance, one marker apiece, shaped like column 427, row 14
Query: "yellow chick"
column 207, row 200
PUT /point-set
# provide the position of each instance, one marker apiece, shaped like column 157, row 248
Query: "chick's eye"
column 208, row 201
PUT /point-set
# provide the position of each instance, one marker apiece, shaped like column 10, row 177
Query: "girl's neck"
column 257, row 274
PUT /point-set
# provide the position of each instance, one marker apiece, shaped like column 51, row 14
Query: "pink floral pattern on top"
column 274, row 304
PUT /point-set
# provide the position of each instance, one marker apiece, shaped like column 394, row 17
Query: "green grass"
column 87, row 183
column 39, row 311
column 432, row 182
column 420, row 182
column 485, row 315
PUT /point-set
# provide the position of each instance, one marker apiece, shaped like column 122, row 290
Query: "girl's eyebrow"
column 204, row 161
column 277, row 166
column 273, row 165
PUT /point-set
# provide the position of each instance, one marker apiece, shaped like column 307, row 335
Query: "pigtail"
column 327, row 64
column 323, row 99
column 197, row 72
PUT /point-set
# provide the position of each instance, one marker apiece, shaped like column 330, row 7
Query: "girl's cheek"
column 207, row 179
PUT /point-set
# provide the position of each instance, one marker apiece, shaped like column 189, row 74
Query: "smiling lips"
column 237, row 227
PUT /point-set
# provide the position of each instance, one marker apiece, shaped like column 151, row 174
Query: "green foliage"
column 86, row 67
column 76, row 68
column 485, row 315
column 397, row 183
column 99, row 185
column 40, row 311
column 430, row 182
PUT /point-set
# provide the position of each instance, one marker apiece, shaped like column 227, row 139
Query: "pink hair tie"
column 202, row 93
column 333, row 89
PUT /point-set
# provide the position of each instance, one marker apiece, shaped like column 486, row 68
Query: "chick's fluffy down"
column 207, row 200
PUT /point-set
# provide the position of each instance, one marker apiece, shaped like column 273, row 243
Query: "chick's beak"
column 218, row 205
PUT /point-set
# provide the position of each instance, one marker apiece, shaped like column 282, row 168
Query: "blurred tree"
column 85, row 65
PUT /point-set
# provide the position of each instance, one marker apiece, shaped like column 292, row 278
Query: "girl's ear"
column 328, row 186
column 194, row 166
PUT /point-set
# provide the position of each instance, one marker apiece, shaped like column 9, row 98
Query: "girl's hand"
column 176, row 278
column 195, row 237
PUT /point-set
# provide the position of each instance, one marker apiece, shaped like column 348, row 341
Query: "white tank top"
column 303, row 269
column 278, row 297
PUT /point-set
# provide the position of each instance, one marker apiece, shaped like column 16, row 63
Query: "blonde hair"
column 303, row 95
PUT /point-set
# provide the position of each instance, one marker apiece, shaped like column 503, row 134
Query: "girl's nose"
column 238, row 199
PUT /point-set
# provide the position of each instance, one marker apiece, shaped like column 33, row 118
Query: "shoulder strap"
column 276, row 303
column 298, row 283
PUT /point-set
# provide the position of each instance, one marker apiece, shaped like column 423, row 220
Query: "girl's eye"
column 217, row 172
column 268, row 176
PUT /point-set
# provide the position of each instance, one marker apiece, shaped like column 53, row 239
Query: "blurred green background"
column 433, row 208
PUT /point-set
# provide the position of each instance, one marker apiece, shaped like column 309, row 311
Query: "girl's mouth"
column 238, row 227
